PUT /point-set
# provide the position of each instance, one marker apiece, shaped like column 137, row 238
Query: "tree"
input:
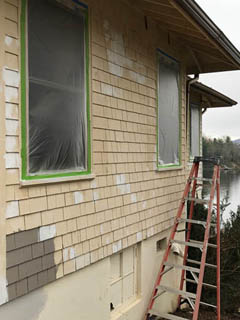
column 230, row 259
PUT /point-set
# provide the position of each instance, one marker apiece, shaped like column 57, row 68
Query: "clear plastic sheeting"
column 195, row 131
column 57, row 124
column 168, row 111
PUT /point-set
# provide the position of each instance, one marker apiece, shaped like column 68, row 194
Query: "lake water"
column 229, row 184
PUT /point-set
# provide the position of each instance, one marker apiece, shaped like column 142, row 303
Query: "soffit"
column 203, row 53
column 207, row 97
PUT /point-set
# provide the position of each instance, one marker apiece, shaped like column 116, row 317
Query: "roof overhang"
column 206, row 97
column 205, row 47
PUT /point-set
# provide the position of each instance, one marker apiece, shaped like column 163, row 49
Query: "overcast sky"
column 224, row 121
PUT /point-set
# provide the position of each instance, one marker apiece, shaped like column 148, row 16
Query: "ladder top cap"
column 213, row 160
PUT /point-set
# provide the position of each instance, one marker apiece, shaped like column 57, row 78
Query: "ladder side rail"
column 189, row 226
column 218, row 245
column 173, row 231
column 205, row 245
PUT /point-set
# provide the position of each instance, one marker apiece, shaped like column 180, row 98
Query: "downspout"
column 189, row 83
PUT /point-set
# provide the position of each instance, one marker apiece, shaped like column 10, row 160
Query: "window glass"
column 57, row 127
column 195, row 131
column 168, row 111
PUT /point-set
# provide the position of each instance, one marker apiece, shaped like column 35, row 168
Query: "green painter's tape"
column 24, row 171
column 23, row 89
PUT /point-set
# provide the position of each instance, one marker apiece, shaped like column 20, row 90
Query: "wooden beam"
column 196, row 59
column 207, row 68
column 204, row 33
column 169, row 11
column 210, row 53
column 179, row 30
column 164, row 3
column 169, row 17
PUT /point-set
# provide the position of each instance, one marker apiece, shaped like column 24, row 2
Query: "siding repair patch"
column 12, row 209
column 117, row 246
column 11, row 160
column 3, row 291
column 30, row 263
column 11, row 78
column 11, row 94
column 78, row 197
column 47, row 232
column 8, row 40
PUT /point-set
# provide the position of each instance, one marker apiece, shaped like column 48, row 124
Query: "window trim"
column 191, row 157
column 179, row 165
column 25, row 176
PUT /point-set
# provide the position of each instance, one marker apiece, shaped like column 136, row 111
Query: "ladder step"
column 207, row 304
column 182, row 230
column 179, row 292
column 165, row 315
column 201, row 243
column 196, row 200
column 204, row 284
column 202, row 179
column 166, row 270
column 199, row 263
column 190, row 244
column 177, row 266
column 195, row 221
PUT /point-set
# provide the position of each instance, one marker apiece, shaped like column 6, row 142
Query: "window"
column 168, row 111
column 195, row 131
column 55, row 109
column 124, row 277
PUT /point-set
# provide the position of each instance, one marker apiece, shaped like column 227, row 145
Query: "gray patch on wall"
column 30, row 263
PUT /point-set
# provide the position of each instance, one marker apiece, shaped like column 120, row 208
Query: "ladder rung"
column 165, row 315
column 195, row 221
column 199, row 262
column 204, row 284
column 166, row 270
column 182, row 230
column 190, row 244
column 196, row 200
column 202, row 179
column 177, row 266
column 179, row 292
column 201, row 243
column 200, row 185
column 207, row 304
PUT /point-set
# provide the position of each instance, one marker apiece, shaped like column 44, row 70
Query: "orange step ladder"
column 193, row 298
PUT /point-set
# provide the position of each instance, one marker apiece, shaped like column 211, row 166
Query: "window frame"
column 179, row 165
column 136, row 278
column 25, row 175
column 191, row 157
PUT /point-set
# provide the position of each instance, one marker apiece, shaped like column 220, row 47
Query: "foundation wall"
column 85, row 294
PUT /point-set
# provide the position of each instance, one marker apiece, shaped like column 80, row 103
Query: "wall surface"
column 55, row 229
column 85, row 294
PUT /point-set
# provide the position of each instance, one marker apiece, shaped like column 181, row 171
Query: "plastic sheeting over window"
column 168, row 111
column 195, row 131
column 57, row 131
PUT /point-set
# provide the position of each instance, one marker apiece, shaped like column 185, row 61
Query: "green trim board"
column 160, row 53
column 24, row 93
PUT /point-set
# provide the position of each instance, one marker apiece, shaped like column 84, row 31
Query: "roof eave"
column 225, row 101
column 194, row 10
